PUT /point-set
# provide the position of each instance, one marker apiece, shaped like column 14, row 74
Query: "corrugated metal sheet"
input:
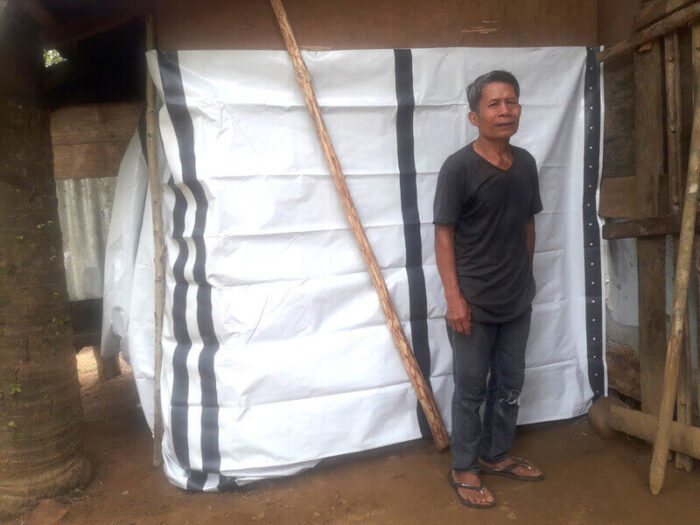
column 84, row 209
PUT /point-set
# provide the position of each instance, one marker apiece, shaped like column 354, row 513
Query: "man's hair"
column 475, row 88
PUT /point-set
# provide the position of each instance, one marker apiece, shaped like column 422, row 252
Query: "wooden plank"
column 673, row 120
column 652, row 201
column 649, row 227
column 623, row 370
column 671, row 23
column 373, row 24
column 90, row 140
column 86, row 161
column 90, row 123
column 618, row 197
column 656, row 10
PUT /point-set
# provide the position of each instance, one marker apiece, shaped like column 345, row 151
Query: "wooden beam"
column 88, row 161
column 623, row 370
column 648, row 227
column 683, row 438
column 671, row 23
column 95, row 123
column 90, row 140
column 88, row 26
column 656, row 10
column 57, row 33
column 618, row 198
column 652, row 201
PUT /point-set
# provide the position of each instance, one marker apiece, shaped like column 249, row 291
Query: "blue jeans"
column 500, row 349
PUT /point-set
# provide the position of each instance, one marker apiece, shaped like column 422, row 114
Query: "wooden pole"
column 683, row 438
column 158, row 245
column 675, row 184
column 652, row 201
column 423, row 393
column 657, row 471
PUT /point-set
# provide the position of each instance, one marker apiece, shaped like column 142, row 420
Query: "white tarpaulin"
column 276, row 351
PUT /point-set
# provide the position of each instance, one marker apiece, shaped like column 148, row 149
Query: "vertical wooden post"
column 675, row 182
column 154, row 183
column 695, row 54
column 684, row 401
column 673, row 120
column 651, row 202
column 680, row 296
column 423, row 393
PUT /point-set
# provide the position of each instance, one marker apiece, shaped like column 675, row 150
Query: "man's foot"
column 513, row 467
column 470, row 490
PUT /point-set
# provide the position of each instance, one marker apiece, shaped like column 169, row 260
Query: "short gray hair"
column 475, row 88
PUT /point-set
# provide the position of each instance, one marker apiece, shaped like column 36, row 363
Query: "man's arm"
column 530, row 233
column 458, row 311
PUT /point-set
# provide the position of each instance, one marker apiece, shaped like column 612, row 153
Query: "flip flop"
column 507, row 472
column 456, row 485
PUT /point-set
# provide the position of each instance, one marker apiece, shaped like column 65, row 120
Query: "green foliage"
column 15, row 389
column 51, row 57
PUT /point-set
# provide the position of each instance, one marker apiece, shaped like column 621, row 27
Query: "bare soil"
column 589, row 480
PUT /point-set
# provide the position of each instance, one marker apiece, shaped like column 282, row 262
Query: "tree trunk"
column 41, row 445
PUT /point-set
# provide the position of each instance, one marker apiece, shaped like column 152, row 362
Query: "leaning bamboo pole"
column 158, row 245
column 657, row 472
column 423, row 393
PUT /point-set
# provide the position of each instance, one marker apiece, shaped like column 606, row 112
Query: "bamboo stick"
column 158, row 245
column 423, row 393
column 657, row 471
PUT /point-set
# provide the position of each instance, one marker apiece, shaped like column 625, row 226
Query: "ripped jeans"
column 500, row 349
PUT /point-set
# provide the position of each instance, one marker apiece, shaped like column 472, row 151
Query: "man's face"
column 499, row 112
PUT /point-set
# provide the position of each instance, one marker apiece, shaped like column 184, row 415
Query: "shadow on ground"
column 589, row 480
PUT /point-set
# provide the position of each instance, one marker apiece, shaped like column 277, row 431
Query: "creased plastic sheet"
column 276, row 352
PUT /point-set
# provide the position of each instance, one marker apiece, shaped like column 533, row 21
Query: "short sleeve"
column 536, row 203
column 449, row 193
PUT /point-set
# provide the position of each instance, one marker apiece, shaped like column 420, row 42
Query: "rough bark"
column 41, row 446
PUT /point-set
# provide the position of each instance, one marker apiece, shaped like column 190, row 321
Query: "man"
column 485, row 201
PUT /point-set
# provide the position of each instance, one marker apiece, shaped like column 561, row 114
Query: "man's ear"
column 473, row 117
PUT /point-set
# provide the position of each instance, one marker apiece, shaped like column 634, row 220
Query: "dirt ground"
column 589, row 480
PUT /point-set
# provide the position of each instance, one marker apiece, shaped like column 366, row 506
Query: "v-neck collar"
column 471, row 145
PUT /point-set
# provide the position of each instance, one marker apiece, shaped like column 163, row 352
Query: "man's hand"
column 459, row 314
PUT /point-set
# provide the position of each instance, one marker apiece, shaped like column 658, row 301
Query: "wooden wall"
column 615, row 23
column 90, row 140
column 357, row 24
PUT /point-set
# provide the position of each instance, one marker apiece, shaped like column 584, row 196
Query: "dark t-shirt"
column 489, row 208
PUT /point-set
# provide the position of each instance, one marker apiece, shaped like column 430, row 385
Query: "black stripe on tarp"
column 179, row 401
column 591, row 230
column 418, row 302
column 176, row 104
column 142, row 136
